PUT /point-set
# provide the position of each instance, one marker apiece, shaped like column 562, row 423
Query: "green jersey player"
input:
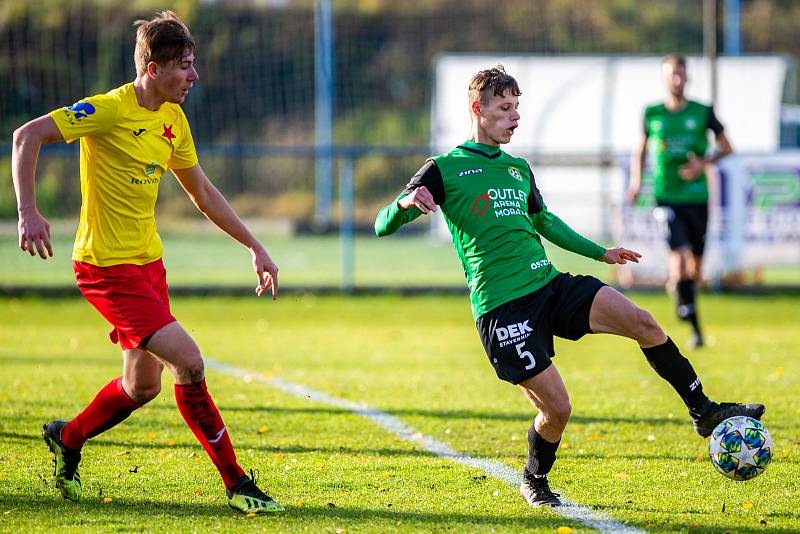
column 676, row 132
column 497, row 218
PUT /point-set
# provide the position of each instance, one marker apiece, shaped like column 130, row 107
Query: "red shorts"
column 133, row 298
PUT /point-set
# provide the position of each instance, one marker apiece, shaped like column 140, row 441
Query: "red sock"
column 202, row 416
column 109, row 407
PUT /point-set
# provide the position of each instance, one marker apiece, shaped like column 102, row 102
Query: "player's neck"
column 675, row 103
column 146, row 95
column 479, row 136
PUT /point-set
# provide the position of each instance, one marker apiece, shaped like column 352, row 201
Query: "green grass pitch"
column 628, row 452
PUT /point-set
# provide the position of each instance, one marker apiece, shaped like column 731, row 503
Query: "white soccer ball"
column 740, row 448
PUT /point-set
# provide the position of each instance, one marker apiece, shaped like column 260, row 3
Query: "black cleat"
column 716, row 413
column 245, row 497
column 66, row 461
column 537, row 491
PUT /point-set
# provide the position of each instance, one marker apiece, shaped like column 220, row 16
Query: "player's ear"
column 152, row 69
column 476, row 108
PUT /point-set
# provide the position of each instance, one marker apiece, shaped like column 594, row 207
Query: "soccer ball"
column 740, row 448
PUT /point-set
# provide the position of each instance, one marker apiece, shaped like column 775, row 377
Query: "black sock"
column 541, row 453
column 687, row 311
column 673, row 367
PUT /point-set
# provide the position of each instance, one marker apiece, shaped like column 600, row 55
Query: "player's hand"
column 620, row 256
column 692, row 168
column 266, row 271
column 632, row 194
column 34, row 234
column 420, row 198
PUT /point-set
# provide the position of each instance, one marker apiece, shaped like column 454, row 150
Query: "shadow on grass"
column 459, row 414
column 91, row 513
column 92, row 447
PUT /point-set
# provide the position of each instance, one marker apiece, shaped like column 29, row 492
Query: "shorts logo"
column 515, row 173
column 470, row 171
column 481, row 204
column 513, row 331
column 539, row 264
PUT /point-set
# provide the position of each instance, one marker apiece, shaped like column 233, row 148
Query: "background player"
column 129, row 137
column 496, row 216
column 677, row 128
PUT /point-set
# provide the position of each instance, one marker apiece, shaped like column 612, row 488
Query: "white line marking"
column 591, row 518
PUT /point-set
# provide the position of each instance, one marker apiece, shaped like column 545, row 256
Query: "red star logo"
column 168, row 133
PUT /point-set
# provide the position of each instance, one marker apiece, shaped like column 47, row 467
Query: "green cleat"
column 245, row 497
column 66, row 461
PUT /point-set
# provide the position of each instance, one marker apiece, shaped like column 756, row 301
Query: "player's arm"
column 34, row 230
column 560, row 234
column 722, row 149
column 638, row 160
column 212, row 204
column 421, row 196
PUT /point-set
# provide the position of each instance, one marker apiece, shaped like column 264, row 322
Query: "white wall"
column 585, row 104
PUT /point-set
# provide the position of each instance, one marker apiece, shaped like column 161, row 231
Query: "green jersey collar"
column 487, row 151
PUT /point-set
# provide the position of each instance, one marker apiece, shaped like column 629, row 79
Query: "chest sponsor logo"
column 513, row 333
column 515, row 173
column 168, row 133
column 470, row 171
column 139, row 132
column 505, row 202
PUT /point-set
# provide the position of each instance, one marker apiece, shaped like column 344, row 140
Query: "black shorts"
column 518, row 335
column 686, row 224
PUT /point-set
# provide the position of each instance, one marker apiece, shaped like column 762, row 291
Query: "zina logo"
column 470, row 171
column 515, row 173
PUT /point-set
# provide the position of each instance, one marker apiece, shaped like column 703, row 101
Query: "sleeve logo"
column 80, row 110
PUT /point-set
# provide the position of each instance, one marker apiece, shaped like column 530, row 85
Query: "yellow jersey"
column 125, row 151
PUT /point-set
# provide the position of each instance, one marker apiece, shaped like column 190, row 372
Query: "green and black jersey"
column 674, row 136
column 495, row 213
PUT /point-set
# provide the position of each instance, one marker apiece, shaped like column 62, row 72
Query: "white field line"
column 590, row 518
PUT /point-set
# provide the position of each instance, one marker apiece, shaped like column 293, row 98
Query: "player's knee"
column 142, row 393
column 557, row 414
column 648, row 329
column 194, row 370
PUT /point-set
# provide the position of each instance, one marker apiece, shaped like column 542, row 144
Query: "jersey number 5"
column 525, row 354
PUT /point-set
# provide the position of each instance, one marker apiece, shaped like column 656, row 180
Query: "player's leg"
column 182, row 356
column 140, row 382
column 547, row 392
column 687, row 293
column 518, row 339
column 613, row 313
column 687, row 237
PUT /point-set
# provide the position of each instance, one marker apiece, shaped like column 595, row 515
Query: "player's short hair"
column 676, row 60
column 162, row 39
column 491, row 82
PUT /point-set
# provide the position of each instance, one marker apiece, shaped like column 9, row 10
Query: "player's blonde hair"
column 162, row 39
column 491, row 82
